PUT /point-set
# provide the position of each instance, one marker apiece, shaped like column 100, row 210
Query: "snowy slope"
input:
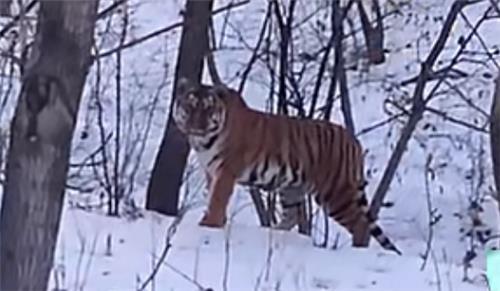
column 96, row 252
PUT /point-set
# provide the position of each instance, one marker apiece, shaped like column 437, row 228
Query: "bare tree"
column 40, row 144
column 418, row 107
column 166, row 179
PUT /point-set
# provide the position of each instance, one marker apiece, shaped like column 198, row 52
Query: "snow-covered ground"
column 97, row 252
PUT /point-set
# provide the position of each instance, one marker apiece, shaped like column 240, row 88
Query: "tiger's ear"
column 220, row 90
column 183, row 86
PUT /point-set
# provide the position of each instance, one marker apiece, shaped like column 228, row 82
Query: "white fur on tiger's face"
column 197, row 110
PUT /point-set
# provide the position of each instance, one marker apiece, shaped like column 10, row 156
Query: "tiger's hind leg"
column 221, row 187
column 292, row 202
column 351, row 211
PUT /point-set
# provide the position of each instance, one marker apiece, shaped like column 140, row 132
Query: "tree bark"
column 495, row 138
column 374, row 35
column 5, row 8
column 166, row 179
column 40, row 142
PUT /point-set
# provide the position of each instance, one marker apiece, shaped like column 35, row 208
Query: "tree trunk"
column 5, row 8
column 495, row 137
column 166, row 179
column 374, row 35
column 40, row 142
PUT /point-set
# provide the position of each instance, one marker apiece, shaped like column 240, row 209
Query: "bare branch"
column 284, row 27
column 18, row 17
column 209, row 56
column 171, row 231
column 255, row 51
column 324, row 62
column 418, row 108
column 162, row 31
column 374, row 35
column 451, row 119
column 340, row 68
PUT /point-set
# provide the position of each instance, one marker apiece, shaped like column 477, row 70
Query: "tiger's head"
column 199, row 110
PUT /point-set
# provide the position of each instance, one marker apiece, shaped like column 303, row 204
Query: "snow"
column 256, row 259
column 98, row 252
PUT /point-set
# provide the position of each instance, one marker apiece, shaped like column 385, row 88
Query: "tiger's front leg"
column 221, row 188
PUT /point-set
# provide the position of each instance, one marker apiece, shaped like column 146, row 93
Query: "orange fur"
column 250, row 147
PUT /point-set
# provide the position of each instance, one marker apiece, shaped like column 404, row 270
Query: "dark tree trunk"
column 495, row 137
column 374, row 35
column 40, row 143
column 166, row 179
column 5, row 7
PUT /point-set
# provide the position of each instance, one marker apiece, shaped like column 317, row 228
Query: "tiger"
column 235, row 144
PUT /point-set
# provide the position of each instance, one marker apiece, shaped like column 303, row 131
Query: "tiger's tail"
column 355, row 216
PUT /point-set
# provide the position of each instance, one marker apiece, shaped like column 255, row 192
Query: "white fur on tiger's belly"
column 205, row 156
column 265, row 179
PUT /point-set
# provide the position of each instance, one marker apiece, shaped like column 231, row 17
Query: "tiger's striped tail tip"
column 393, row 248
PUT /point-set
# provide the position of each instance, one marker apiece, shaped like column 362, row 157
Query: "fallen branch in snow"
column 185, row 276
column 172, row 229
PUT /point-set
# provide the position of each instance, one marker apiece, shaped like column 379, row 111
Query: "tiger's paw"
column 212, row 221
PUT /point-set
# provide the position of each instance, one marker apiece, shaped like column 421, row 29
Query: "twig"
column 209, row 56
column 117, row 189
column 379, row 124
column 345, row 102
column 480, row 38
column 285, row 31
column 431, row 212
column 163, row 30
column 322, row 66
column 18, row 17
column 418, row 108
column 254, row 56
column 466, row 99
column 455, row 120
column 339, row 37
column 227, row 257
column 172, row 229
column 106, row 11
column 102, row 134
column 185, row 276
column 436, row 271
